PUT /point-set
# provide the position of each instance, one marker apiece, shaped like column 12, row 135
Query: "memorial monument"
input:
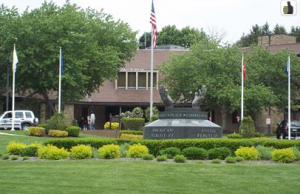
column 182, row 123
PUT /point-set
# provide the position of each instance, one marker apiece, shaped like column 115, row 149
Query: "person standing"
column 93, row 120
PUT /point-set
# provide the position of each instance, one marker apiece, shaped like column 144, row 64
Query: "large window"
column 131, row 80
column 121, row 80
column 142, row 80
column 135, row 80
column 154, row 79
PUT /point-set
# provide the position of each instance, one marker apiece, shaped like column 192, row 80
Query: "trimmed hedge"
column 155, row 146
column 69, row 143
column 133, row 123
column 133, row 132
column 73, row 131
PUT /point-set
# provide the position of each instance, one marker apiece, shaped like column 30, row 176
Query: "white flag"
column 15, row 59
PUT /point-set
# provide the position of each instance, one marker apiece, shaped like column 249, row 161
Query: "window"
column 154, row 79
column 28, row 115
column 131, row 80
column 19, row 115
column 121, row 80
column 142, row 80
column 8, row 116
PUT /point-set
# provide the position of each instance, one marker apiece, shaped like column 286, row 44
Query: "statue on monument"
column 164, row 95
column 199, row 96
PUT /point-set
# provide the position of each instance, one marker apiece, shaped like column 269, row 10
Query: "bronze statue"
column 199, row 96
column 164, row 95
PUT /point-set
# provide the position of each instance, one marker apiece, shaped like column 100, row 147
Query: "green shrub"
column 154, row 111
column 74, row 123
column 216, row 161
column 147, row 157
column 247, row 128
column 283, row 155
column 170, row 152
column 194, row 153
column 14, row 157
column 281, row 144
column 257, row 134
column 57, row 133
column 239, row 159
column 137, row 150
column 154, row 118
column 234, row 136
column 25, row 158
column 265, row 153
column 133, row 123
column 52, row 153
column 219, row 153
column 296, row 151
column 29, row 151
column 57, row 122
column 123, row 149
column 248, row 153
column 137, row 112
column 1, row 154
column 131, row 136
column 36, row 131
column 110, row 151
column 161, row 158
column 230, row 160
column 15, row 147
column 5, row 157
column 73, row 131
column 43, row 125
column 179, row 159
column 132, row 132
column 81, row 152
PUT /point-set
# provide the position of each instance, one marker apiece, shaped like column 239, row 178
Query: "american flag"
column 244, row 69
column 153, row 23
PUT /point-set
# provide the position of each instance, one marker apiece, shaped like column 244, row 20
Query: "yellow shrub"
column 37, row 131
column 137, row 151
column 109, row 151
column 248, row 153
column 81, row 152
column 36, row 145
column 57, row 133
column 131, row 136
column 114, row 125
column 283, row 155
column 15, row 147
column 52, row 152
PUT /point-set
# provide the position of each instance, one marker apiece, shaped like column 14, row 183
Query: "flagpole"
column 242, row 88
column 289, row 98
column 15, row 60
column 151, row 76
column 59, row 85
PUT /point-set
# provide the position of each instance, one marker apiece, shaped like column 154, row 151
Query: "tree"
column 185, row 37
column 218, row 67
column 94, row 47
column 295, row 31
column 147, row 36
column 278, row 29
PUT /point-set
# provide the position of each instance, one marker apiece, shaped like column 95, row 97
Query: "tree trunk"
column 48, row 105
column 224, row 112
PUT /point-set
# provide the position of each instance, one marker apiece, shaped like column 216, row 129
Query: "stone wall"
column 260, row 120
column 276, row 40
column 69, row 113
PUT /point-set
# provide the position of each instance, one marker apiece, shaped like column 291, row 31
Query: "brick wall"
column 276, row 40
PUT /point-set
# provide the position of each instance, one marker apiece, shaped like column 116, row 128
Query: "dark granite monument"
column 181, row 123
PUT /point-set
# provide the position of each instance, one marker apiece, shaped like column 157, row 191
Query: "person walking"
column 93, row 120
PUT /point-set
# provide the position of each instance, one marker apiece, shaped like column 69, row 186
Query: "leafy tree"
column 94, row 47
column 295, row 31
column 142, row 44
column 278, row 29
column 185, row 37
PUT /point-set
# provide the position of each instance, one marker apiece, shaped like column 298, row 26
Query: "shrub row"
column 133, row 132
column 155, row 146
column 133, row 123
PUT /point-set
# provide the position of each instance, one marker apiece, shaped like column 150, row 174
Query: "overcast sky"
column 233, row 17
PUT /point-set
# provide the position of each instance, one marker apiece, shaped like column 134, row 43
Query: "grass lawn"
column 130, row 177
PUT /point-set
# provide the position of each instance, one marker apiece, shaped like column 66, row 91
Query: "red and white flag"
column 153, row 23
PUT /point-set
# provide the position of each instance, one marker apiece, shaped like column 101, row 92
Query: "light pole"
column 7, row 86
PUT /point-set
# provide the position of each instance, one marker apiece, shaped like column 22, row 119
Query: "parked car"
column 23, row 119
column 282, row 129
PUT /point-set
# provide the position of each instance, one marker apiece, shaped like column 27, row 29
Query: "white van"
column 23, row 119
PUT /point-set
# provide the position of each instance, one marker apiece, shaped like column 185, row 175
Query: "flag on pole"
column 61, row 70
column 153, row 23
column 244, row 70
column 61, row 64
column 15, row 60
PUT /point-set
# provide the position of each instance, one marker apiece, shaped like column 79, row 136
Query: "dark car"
column 295, row 128
column 282, row 129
